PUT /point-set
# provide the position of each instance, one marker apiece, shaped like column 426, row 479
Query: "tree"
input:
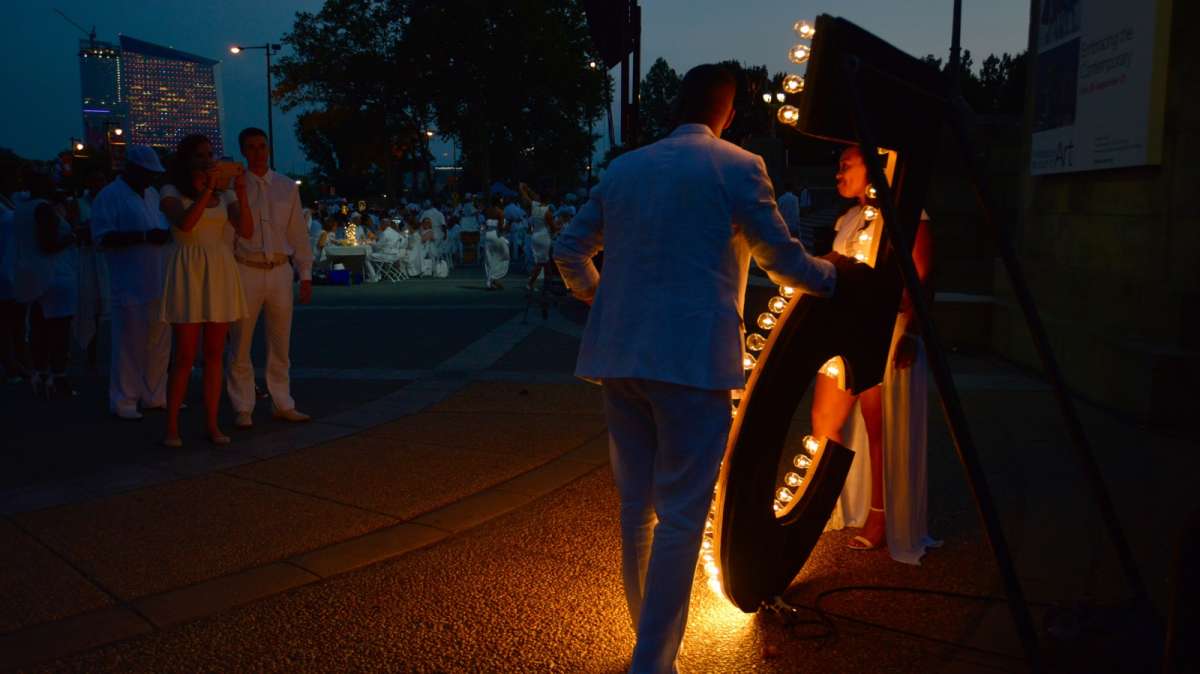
column 659, row 89
column 350, row 69
column 999, row 85
column 511, row 81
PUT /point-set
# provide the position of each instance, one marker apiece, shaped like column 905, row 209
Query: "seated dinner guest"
column 203, row 291
column 678, row 221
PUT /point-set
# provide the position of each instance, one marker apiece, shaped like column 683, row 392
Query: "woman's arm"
column 906, row 347
column 185, row 219
column 239, row 211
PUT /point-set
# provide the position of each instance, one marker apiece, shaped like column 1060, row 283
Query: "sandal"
column 863, row 543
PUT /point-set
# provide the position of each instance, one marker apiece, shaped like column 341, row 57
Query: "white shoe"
column 127, row 414
column 293, row 415
column 243, row 421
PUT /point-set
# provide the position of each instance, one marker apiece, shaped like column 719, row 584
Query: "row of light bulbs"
column 794, row 84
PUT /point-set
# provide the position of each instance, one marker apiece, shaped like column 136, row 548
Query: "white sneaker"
column 293, row 414
column 128, row 414
column 244, row 420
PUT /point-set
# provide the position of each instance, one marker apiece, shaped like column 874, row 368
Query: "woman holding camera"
column 203, row 291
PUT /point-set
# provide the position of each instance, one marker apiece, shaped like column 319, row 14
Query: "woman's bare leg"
column 831, row 405
column 186, row 337
column 214, row 347
column 871, row 402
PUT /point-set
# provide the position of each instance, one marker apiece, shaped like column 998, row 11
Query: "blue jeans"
column 666, row 442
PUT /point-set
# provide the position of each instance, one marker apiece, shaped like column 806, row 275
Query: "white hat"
column 143, row 156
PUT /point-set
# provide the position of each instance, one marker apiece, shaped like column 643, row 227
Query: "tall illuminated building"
column 100, row 85
column 169, row 94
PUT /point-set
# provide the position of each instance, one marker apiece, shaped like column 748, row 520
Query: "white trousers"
column 267, row 292
column 666, row 442
column 141, row 354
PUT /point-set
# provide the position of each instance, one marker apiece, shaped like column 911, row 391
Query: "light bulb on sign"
column 748, row 361
column 864, row 237
column 787, row 291
column 755, row 342
column 784, row 495
column 793, row 84
column 792, row 480
column 811, row 444
column 788, row 114
column 870, row 213
column 872, row 193
column 804, row 30
column 777, row 304
column 776, row 506
column 801, row 461
column 799, row 54
column 831, row 368
column 767, row 320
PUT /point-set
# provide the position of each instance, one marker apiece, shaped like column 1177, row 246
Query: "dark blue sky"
column 41, row 75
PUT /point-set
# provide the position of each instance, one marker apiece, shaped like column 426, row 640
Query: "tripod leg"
column 1037, row 330
column 956, row 418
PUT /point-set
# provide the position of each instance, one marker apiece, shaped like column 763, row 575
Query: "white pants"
column 141, row 353
column 269, row 292
column 666, row 442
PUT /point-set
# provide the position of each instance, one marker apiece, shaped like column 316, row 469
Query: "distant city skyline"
column 45, row 69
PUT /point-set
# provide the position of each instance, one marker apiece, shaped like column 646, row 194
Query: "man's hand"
column 158, row 236
column 906, row 351
column 305, row 292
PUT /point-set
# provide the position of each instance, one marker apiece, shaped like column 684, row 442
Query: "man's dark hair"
column 703, row 90
column 247, row 133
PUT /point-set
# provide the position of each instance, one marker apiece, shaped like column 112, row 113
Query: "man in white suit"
column 678, row 222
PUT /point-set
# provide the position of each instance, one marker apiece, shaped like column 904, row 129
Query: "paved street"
column 450, row 509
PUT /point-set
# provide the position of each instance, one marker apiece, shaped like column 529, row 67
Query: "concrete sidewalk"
column 477, row 532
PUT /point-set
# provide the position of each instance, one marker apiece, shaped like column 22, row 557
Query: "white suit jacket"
column 678, row 221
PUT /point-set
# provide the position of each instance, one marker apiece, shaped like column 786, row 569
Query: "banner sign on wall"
column 1099, row 84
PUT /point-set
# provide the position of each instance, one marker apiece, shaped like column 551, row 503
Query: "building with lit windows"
column 169, row 94
column 100, row 84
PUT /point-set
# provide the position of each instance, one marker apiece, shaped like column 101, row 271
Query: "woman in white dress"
column 203, row 290
column 495, row 247
column 46, row 277
column 541, row 220
column 885, row 493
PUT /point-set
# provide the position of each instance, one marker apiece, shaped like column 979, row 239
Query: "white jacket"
column 678, row 221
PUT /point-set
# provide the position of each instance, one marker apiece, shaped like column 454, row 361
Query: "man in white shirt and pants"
column 678, row 222
column 130, row 230
column 263, row 260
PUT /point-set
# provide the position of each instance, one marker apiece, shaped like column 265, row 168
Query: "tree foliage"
column 659, row 89
column 509, row 81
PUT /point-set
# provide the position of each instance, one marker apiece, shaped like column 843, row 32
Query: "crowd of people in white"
column 428, row 238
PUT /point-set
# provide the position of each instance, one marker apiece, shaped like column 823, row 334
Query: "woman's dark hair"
column 180, row 174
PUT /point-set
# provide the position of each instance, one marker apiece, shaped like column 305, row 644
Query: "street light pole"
column 268, row 48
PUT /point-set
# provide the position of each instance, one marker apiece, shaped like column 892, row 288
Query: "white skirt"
column 495, row 255
column 905, row 473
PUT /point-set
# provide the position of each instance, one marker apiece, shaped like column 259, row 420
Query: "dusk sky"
column 41, row 76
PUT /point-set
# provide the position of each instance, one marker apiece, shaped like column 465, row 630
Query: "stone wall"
column 1111, row 257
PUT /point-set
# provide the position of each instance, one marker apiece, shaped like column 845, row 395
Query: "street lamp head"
column 235, row 50
column 592, row 65
column 118, row 131
column 766, row 98
column 780, row 97
column 429, row 134
column 299, row 182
